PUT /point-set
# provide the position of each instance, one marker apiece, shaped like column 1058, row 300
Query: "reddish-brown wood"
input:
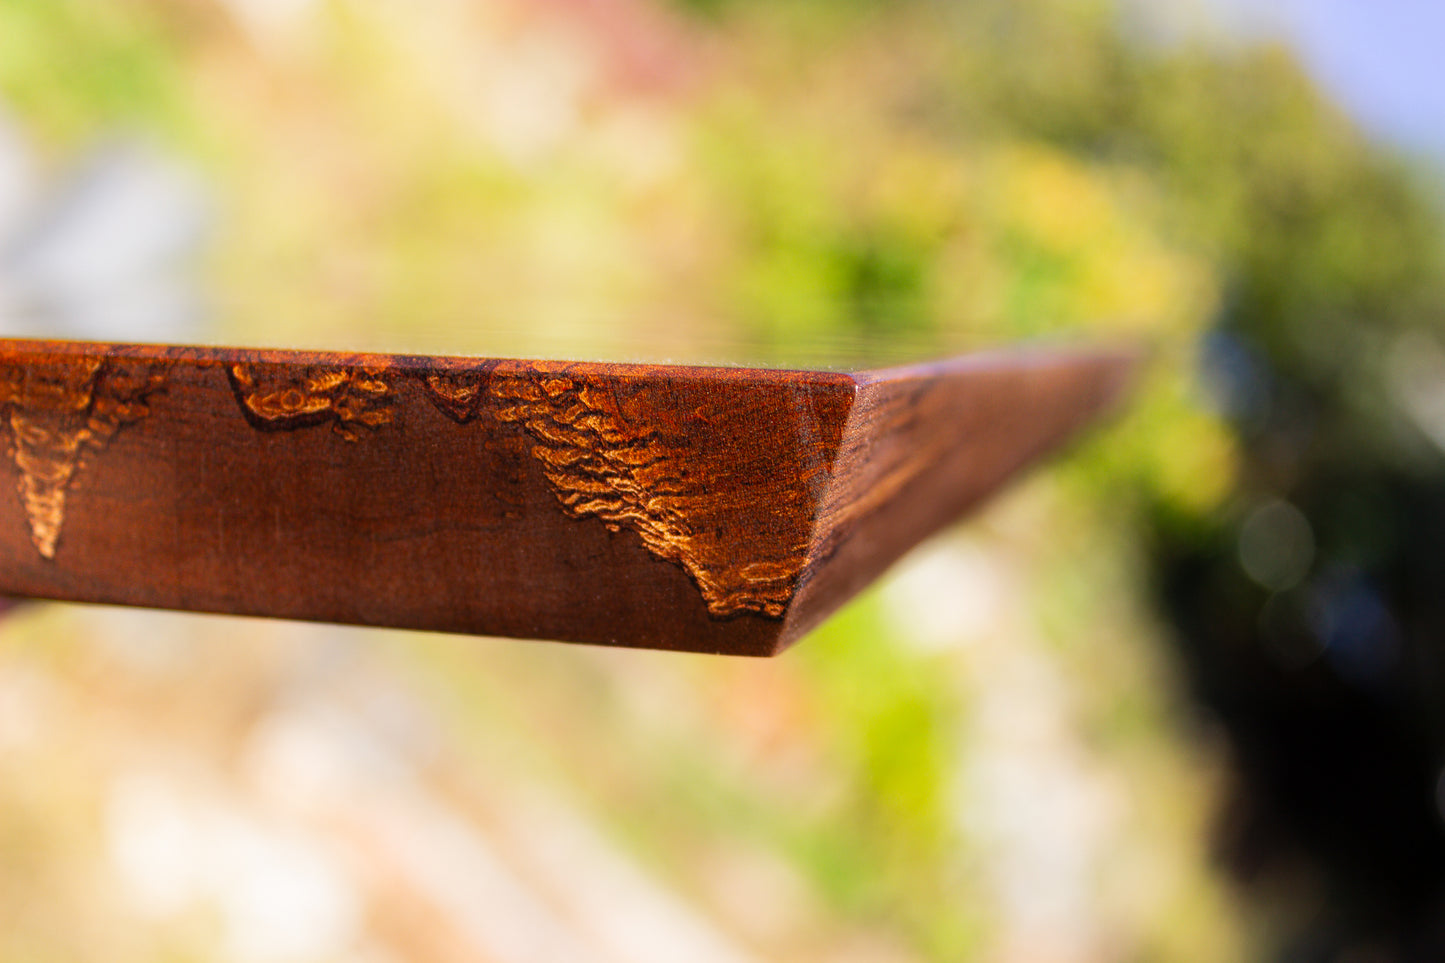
column 708, row 509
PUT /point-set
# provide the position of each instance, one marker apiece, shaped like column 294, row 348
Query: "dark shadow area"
column 1311, row 625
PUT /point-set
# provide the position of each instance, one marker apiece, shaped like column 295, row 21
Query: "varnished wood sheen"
column 708, row 509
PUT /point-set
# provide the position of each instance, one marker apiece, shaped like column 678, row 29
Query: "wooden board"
column 722, row 510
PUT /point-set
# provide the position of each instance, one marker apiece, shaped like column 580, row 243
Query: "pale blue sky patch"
column 1383, row 60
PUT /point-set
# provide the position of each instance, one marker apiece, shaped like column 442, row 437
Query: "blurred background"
column 1177, row 697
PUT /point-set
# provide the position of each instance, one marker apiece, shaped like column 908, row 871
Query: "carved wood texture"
column 709, row 509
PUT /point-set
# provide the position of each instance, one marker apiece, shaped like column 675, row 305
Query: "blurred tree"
column 1309, row 597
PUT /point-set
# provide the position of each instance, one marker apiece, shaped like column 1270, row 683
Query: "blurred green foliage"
column 76, row 69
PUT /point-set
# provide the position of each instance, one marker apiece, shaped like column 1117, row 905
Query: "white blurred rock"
column 279, row 895
column 108, row 255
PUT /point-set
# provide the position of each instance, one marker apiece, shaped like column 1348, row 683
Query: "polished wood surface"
column 708, row 509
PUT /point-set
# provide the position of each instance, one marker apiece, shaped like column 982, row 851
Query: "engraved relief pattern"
column 354, row 401
column 457, row 394
column 602, row 464
column 60, row 414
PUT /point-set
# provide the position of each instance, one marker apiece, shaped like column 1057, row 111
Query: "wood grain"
column 706, row 509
